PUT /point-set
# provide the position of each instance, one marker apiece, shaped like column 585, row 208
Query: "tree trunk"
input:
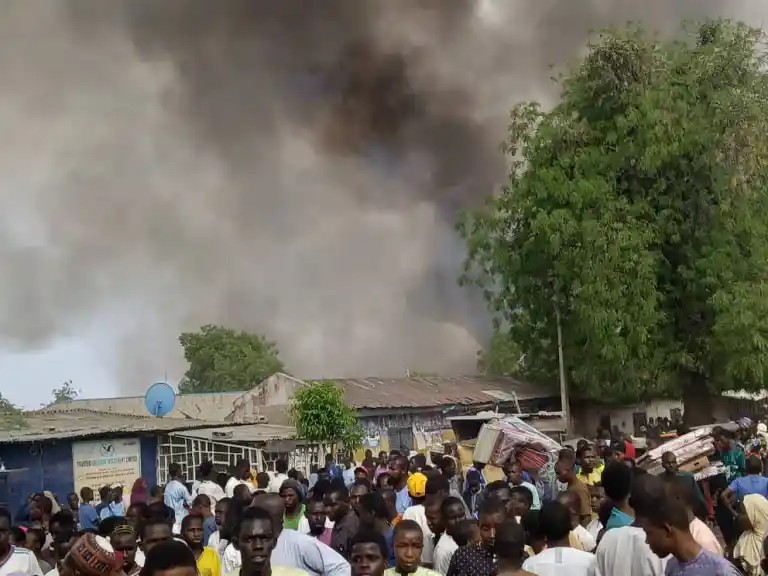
column 697, row 400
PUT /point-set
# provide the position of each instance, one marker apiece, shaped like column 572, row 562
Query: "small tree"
column 11, row 417
column 321, row 416
column 222, row 359
column 64, row 393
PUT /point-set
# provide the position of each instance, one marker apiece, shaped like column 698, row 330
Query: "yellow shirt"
column 593, row 478
column 209, row 563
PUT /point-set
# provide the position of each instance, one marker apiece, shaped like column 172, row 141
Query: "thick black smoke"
column 291, row 167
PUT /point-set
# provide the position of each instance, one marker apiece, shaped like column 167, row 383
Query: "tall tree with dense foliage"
column 637, row 210
column 11, row 416
column 221, row 359
column 321, row 415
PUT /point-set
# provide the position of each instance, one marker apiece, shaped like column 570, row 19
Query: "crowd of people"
column 396, row 514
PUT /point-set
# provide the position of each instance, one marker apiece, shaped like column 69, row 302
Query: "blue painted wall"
column 48, row 466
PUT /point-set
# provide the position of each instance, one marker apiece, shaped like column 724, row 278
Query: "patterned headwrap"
column 94, row 556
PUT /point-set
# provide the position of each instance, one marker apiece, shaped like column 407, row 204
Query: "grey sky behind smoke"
column 291, row 168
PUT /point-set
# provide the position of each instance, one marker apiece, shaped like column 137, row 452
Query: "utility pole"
column 565, row 407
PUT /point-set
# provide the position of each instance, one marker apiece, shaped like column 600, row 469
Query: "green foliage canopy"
column 638, row 208
column 64, row 393
column 321, row 415
column 11, row 416
column 221, row 359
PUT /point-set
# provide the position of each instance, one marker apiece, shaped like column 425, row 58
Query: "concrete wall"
column 48, row 466
column 586, row 417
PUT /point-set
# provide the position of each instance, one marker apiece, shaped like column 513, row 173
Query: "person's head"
column 192, row 531
column 315, row 514
column 368, row 553
column 466, row 532
column 723, row 440
column 242, row 469
column 437, row 485
column 255, row 539
column 170, row 558
column 677, row 488
column 564, row 468
column 242, row 493
column 373, row 509
column 155, row 531
column 417, row 487
column 408, row 544
column 44, row 507
column 35, row 540
column 382, row 480
column 521, row 500
column 433, row 513
column 754, row 465
column 18, row 536
column 571, row 501
column 108, row 525
column 62, row 545
column 533, row 533
column 555, row 523
column 473, row 481
column 390, row 498
column 156, row 494
column 337, row 502
column 86, row 495
column 669, row 462
column 452, row 511
column 502, row 492
column 328, row 459
column 664, row 524
column 124, row 540
column 201, row 505
column 510, row 544
column 273, row 504
column 323, row 475
column 514, row 472
column 174, row 470
column 262, row 480
column 398, row 469
column 104, row 493
column 356, row 492
column 90, row 555
column 290, row 492
column 361, row 474
column 596, row 495
column 448, row 466
column 205, row 469
column 490, row 516
column 61, row 522
column 73, row 501
column 221, row 511
column 587, row 457
column 614, row 452
column 617, row 481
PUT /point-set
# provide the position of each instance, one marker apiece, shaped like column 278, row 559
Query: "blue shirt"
column 752, row 484
column 618, row 519
column 178, row 499
column 209, row 527
column 402, row 500
column 88, row 518
column 390, row 539
column 112, row 509
column 349, row 477
column 705, row 563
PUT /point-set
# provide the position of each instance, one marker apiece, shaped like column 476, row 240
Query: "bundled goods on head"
column 510, row 438
column 692, row 451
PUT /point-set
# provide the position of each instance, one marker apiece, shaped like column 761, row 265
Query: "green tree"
column 11, row 416
column 637, row 210
column 502, row 357
column 221, row 359
column 320, row 415
column 64, row 393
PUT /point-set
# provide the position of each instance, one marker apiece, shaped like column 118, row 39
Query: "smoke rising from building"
column 292, row 168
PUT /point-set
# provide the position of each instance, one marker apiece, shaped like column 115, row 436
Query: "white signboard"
column 102, row 462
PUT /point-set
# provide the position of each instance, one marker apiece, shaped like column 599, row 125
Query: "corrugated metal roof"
column 239, row 434
column 78, row 423
column 214, row 406
column 425, row 391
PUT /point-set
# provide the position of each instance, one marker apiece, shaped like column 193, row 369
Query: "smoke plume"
column 292, row 168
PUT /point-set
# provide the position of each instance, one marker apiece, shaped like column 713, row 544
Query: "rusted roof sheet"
column 426, row 391
column 80, row 423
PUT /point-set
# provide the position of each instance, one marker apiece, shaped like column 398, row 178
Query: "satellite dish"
column 160, row 399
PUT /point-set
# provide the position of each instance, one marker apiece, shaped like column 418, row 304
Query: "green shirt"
column 293, row 523
column 420, row 571
column 735, row 463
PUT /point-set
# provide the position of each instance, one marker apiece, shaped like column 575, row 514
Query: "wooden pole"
column 565, row 408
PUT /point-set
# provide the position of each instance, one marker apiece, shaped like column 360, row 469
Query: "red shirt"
column 629, row 450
